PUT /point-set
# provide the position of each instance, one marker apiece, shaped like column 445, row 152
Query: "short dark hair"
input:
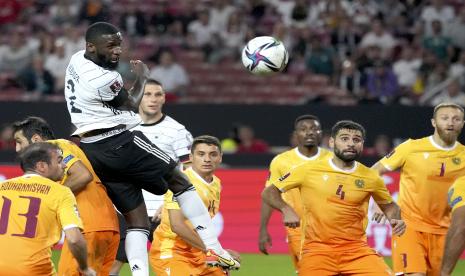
column 96, row 30
column 206, row 139
column 34, row 153
column 153, row 81
column 347, row 124
column 34, row 125
column 305, row 117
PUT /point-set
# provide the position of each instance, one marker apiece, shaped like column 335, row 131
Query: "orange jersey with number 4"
column 335, row 202
column 34, row 211
column 427, row 172
column 95, row 207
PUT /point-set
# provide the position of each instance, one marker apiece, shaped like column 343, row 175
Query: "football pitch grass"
column 261, row 265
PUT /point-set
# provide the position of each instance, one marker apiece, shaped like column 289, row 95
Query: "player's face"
column 448, row 123
column 153, row 100
column 21, row 141
column 347, row 145
column 206, row 158
column 56, row 169
column 108, row 50
column 308, row 133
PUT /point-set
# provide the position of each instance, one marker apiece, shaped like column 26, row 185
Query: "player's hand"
column 234, row 254
column 378, row 215
column 139, row 68
column 156, row 218
column 290, row 217
column 264, row 240
column 88, row 272
column 398, row 226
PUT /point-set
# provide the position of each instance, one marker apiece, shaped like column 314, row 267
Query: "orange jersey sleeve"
column 456, row 196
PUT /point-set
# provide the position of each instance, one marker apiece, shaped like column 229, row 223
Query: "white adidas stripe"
column 156, row 150
column 148, row 148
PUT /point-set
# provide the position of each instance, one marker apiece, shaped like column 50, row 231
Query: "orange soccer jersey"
column 428, row 171
column 168, row 251
column 95, row 207
column 335, row 203
column 34, row 211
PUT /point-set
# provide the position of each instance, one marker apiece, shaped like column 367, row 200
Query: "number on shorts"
column 31, row 216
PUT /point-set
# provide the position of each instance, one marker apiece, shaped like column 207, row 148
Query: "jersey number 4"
column 31, row 216
column 70, row 86
column 340, row 192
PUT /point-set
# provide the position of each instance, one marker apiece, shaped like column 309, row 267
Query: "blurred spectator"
column 407, row 68
column 64, row 11
column 9, row 11
column 456, row 30
column 345, row 38
column 201, row 33
column 452, row 94
column 299, row 13
column 229, row 144
column 132, row 21
column 321, row 59
column 219, row 14
column 161, row 18
column 281, row 32
column 378, row 36
column 438, row 75
column 172, row 75
column 73, row 39
column 437, row 43
column 37, row 80
column 56, row 64
column 457, row 69
column 7, row 142
column 174, row 38
column 363, row 12
column 382, row 84
column 248, row 143
column 186, row 13
column 231, row 40
column 94, row 11
column 16, row 55
column 436, row 11
column 369, row 57
column 382, row 146
column 351, row 79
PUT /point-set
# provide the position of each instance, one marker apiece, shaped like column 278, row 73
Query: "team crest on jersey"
column 456, row 160
column 284, row 176
column 359, row 183
column 116, row 87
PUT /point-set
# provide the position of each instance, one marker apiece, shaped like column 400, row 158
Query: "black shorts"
column 127, row 163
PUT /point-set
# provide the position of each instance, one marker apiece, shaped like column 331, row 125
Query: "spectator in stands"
column 37, row 80
column 368, row 58
column 186, row 14
column 299, row 13
column 382, row 84
column 351, row 79
column 201, row 35
column 407, row 68
column 438, row 43
column 219, row 15
column 363, row 12
column 382, row 146
column 452, row 94
column 230, row 144
column 457, row 69
column 132, row 21
column 63, row 12
column 73, row 39
column 231, row 40
column 455, row 30
column 248, row 143
column 378, row 36
column 321, row 59
column 438, row 75
column 172, row 75
column 161, row 18
column 436, row 11
column 7, row 141
column 56, row 64
column 10, row 10
column 345, row 38
column 94, row 11
column 16, row 55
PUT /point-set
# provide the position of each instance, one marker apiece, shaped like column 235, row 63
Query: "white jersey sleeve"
column 182, row 144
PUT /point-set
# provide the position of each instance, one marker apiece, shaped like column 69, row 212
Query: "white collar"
column 31, row 174
column 336, row 168
column 441, row 147
column 201, row 178
column 296, row 149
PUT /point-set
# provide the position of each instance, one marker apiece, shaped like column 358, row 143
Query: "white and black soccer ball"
column 264, row 55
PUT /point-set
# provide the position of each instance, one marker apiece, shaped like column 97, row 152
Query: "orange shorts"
column 101, row 253
column 418, row 252
column 294, row 244
column 361, row 261
column 179, row 265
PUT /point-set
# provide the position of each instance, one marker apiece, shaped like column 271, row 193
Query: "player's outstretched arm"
column 179, row 226
column 78, row 176
column 272, row 195
column 380, row 168
column 78, row 247
column 264, row 238
column 392, row 212
column 455, row 241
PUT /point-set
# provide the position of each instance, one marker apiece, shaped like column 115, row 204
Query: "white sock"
column 136, row 251
column 195, row 211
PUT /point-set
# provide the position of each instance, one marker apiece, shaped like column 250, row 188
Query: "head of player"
column 308, row 133
column 448, row 120
column 31, row 130
column 44, row 159
column 206, row 156
column 347, row 138
column 151, row 105
column 103, row 45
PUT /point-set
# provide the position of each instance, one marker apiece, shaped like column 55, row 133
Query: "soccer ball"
column 264, row 55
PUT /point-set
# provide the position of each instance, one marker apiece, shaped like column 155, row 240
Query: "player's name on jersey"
column 23, row 187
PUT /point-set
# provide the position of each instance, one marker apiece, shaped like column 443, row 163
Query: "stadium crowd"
column 364, row 51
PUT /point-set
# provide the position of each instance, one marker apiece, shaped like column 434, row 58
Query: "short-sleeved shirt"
column 282, row 164
column 93, row 199
column 335, row 202
column 34, row 211
column 209, row 192
column 427, row 172
column 456, row 197
column 173, row 139
column 88, row 89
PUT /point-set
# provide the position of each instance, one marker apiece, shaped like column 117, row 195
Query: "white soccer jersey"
column 88, row 88
column 173, row 139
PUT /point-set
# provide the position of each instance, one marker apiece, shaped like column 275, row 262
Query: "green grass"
column 261, row 265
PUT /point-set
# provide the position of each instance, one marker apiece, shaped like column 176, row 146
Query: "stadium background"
column 380, row 63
